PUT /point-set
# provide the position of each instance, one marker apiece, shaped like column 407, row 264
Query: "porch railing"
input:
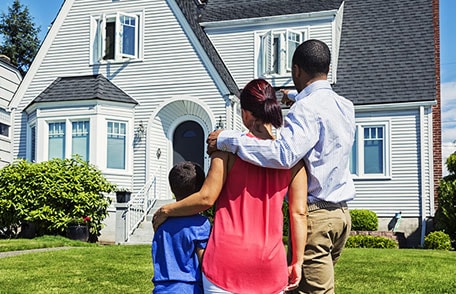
column 139, row 205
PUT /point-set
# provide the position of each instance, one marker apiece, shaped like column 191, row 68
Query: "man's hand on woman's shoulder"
column 212, row 141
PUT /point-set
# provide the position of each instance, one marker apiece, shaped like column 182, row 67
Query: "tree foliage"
column 20, row 36
column 445, row 216
column 51, row 195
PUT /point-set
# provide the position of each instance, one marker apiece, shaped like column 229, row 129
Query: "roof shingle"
column 83, row 88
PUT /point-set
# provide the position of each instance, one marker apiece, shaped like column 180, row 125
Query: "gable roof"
column 191, row 12
column 82, row 88
column 387, row 49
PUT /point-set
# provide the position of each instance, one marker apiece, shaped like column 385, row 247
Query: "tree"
column 445, row 216
column 20, row 36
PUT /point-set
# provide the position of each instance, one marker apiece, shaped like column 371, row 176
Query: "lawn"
column 128, row 269
column 396, row 271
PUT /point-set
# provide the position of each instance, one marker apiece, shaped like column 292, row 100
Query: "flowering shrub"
column 51, row 194
column 83, row 220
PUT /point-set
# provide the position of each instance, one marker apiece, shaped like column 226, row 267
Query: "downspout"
column 424, row 177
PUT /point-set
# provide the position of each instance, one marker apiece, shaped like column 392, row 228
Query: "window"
column 4, row 129
column 116, row 145
column 80, row 139
column 56, row 140
column 116, row 37
column 370, row 151
column 33, row 144
column 276, row 51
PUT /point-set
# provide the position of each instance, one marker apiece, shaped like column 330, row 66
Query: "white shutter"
column 102, row 37
column 266, row 57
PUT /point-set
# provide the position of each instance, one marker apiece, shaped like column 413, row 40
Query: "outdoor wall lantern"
column 219, row 124
column 140, row 130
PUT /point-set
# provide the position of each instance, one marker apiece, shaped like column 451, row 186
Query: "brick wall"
column 436, row 111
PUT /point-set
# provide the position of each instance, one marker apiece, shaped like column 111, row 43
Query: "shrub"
column 52, row 194
column 445, row 216
column 366, row 241
column 363, row 220
column 437, row 240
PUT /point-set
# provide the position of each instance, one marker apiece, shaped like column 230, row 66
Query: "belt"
column 325, row 205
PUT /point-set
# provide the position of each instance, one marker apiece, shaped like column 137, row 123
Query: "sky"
column 44, row 12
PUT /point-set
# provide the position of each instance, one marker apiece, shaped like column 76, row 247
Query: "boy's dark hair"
column 313, row 56
column 186, row 178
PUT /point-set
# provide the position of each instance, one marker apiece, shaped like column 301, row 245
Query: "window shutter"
column 266, row 58
column 102, row 37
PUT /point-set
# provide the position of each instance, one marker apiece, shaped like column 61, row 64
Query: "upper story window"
column 116, row 37
column 276, row 51
column 370, row 152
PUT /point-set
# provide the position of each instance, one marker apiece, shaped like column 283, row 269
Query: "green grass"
column 128, row 269
column 94, row 269
column 396, row 271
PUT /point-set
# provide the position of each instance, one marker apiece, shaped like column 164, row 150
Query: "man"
column 319, row 128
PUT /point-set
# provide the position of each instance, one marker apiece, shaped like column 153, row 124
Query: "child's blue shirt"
column 174, row 253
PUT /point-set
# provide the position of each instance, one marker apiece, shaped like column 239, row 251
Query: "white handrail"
column 139, row 206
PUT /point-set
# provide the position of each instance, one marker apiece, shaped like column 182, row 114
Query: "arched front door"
column 188, row 143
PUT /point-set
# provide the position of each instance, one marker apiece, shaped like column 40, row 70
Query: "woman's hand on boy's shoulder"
column 159, row 217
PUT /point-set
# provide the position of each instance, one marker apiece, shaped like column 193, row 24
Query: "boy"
column 179, row 243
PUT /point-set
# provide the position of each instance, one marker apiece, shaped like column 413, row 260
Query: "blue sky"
column 44, row 12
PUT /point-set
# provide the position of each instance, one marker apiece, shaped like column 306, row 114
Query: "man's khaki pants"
column 328, row 228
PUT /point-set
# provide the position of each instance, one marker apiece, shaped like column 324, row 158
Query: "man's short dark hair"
column 313, row 56
column 186, row 178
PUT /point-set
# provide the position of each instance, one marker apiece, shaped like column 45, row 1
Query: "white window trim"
column 98, row 22
column 68, row 135
column 283, row 69
column 67, row 151
column 360, row 125
column 129, row 136
column 10, row 129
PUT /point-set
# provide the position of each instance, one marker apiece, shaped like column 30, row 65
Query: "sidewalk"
column 18, row 252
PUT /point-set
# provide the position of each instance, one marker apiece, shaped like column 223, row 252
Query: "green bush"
column 51, row 195
column 363, row 220
column 437, row 240
column 445, row 216
column 366, row 241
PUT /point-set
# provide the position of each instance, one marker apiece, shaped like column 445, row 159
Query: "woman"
column 245, row 252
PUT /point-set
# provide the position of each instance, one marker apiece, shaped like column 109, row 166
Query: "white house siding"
column 402, row 192
column 170, row 67
column 237, row 46
column 5, row 142
column 237, row 49
column 10, row 79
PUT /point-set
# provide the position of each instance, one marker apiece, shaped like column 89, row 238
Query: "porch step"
column 144, row 233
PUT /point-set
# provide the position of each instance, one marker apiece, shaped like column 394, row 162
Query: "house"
column 136, row 86
column 10, row 79
column 385, row 58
